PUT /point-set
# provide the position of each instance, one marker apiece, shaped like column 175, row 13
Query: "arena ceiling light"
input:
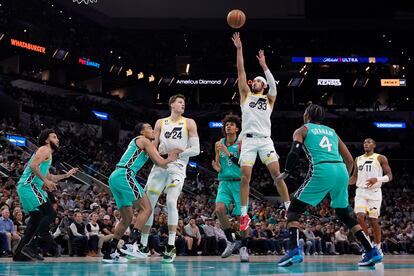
column 86, row 2
column 360, row 82
column 129, row 72
column 60, row 54
column 151, row 78
column 140, row 75
column 1, row 36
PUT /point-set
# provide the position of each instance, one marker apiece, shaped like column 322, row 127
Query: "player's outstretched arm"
column 59, row 177
column 293, row 156
column 153, row 153
column 346, row 155
column 271, row 95
column 354, row 177
column 242, row 79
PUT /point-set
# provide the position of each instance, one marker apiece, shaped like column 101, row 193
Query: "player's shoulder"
column 189, row 121
column 141, row 141
column 44, row 150
column 381, row 157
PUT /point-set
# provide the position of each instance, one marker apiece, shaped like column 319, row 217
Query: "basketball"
column 236, row 19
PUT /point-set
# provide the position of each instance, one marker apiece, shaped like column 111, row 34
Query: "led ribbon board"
column 339, row 59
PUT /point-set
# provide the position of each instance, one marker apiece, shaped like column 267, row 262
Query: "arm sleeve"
column 193, row 150
column 293, row 156
column 271, row 83
column 234, row 159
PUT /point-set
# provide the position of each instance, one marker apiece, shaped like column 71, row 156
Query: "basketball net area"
column 86, row 2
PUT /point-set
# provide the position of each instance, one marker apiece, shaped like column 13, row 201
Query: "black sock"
column 244, row 242
column 113, row 246
column 294, row 237
column 229, row 235
column 170, row 247
column 135, row 234
column 360, row 235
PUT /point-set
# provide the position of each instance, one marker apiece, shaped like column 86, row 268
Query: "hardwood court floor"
column 399, row 265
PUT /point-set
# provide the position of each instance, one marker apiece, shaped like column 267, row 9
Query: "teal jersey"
column 229, row 170
column 29, row 177
column 321, row 144
column 133, row 158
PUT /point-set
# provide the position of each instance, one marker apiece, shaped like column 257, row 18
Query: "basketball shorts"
column 161, row 179
column 368, row 201
column 322, row 179
column 125, row 187
column 228, row 192
column 31, row 196
column 252, row 146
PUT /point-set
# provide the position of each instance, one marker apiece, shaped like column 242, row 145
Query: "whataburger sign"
column 28, row 46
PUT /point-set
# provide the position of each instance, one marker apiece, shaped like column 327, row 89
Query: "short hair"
column 139, row 127
column 232, row 118
column 44, row 135
column 173, row 98
column 315, row 112
column 373, row 141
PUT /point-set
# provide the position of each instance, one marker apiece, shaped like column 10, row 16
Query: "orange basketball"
column 236, row 19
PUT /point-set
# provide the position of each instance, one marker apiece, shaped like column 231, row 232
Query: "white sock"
column 378, row 245
column 144, row 239
column 171, row 238
column 244, row 210
column 287, row 204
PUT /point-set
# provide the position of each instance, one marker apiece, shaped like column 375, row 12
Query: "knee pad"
column 346, row 217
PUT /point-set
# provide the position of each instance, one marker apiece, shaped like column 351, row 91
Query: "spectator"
column 106, row 231
column 220, row 237
column 341, row 241
column 93, row 232
column 79, row 235
column 7, row 229
column 193, row 233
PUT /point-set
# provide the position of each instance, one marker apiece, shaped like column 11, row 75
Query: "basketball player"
column 173, row 132
column 327, row 174
column 34, row 199
column 127, row 191
column 226, row 163
column 256, row 127
column 369, row 170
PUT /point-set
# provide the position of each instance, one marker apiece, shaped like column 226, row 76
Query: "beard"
column 255, row 89
column 54, row 146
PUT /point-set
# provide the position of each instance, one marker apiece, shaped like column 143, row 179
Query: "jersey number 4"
column 324, row 143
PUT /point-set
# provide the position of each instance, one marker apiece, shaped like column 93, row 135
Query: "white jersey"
column 173, row 135
column 368, row 167
column 256, row 110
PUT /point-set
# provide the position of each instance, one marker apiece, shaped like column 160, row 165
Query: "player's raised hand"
column 236, row 40
column 223, row 148
column 261, row 58
column 174, row 154
column 71, row 172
